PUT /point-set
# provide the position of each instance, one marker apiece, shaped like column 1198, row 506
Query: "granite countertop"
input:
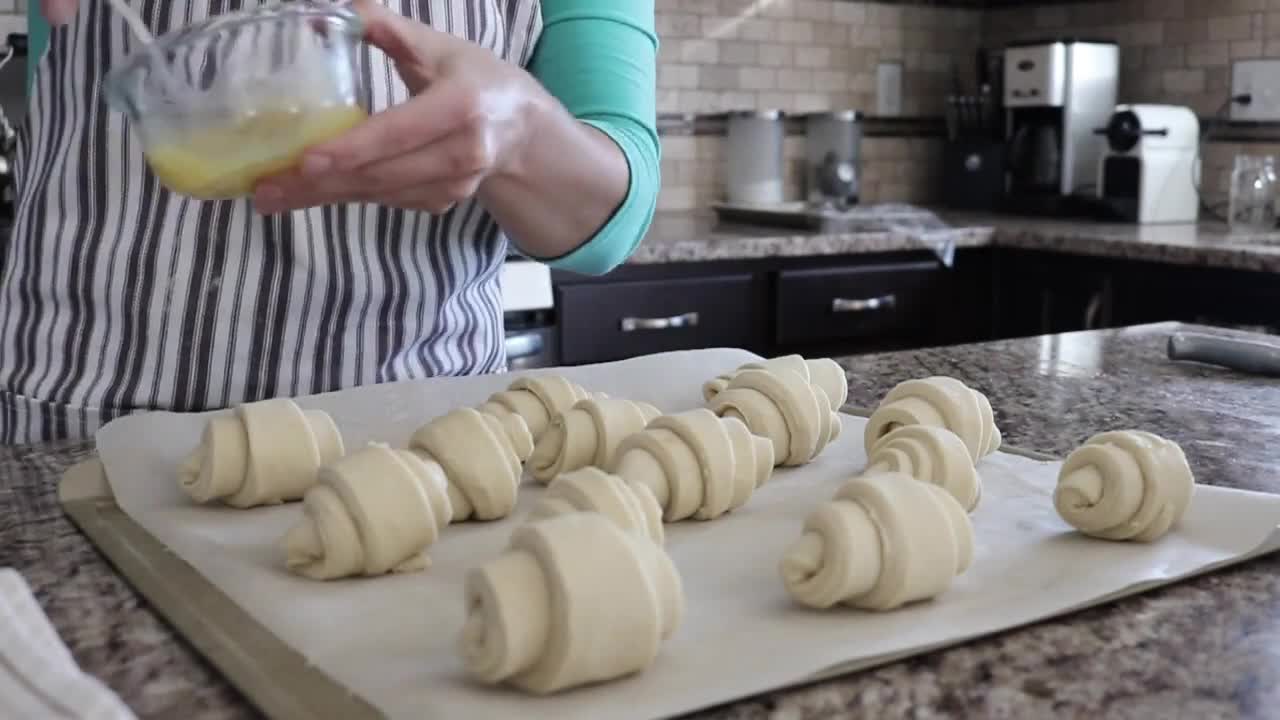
column 1204, row 648
column 699, row 236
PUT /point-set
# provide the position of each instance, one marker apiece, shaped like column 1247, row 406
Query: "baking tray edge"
column 272, row 675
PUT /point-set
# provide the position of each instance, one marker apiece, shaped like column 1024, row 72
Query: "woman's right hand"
column 58, row 12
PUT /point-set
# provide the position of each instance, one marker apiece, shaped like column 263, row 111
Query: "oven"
column 529, row 316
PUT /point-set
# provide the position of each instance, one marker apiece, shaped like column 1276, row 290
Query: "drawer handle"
column 884, row 302
column 631, row 324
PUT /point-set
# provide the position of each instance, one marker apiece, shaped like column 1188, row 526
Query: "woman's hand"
column 470, row 117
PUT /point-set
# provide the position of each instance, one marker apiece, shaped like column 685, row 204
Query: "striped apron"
column 117, row 296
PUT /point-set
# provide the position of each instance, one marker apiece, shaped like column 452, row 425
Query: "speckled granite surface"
column 698, row 236
column 1205, row 648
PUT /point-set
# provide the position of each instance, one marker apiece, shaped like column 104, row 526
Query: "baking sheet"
column 391, row 639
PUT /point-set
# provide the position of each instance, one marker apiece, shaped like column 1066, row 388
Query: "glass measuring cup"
column 227, row 101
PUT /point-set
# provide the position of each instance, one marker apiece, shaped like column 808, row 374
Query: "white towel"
column 38, row 676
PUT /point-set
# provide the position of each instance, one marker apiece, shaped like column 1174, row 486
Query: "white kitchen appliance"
column 1149, row 168
column 528, row 314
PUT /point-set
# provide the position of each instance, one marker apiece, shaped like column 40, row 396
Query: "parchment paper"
column 391, row 639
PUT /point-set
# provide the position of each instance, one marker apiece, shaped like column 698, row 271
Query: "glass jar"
column 1254, row 186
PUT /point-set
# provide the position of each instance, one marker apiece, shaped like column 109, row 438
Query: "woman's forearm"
column 565, row 186
column 583, row 193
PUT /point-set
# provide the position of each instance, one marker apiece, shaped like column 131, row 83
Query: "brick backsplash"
column 800, row 56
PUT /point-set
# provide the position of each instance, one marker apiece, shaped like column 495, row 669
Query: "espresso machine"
column 1056, row 93
column 1150, row 164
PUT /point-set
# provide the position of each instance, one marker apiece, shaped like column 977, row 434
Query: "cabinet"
column 847, row 305
column 1153, row 292
column 1045, row 292
column 856, row 303
column 610, row 321
column 819, row 306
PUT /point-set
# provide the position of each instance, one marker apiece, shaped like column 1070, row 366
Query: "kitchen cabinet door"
column 858, row 302
column 1041, row 293
column 611, row 321
column 1155, row 292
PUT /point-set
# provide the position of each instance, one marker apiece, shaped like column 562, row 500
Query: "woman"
column 496, row 123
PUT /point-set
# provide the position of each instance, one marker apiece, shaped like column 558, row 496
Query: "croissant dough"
column 930, row 454
column 822, row 372
column 696, row 464
column 941, row 401
column 574, row 600
column 372, row 512
column 1125, row 485
column 266, row 453
column 480, row 455
column 587, row 434
column 591, row 489
column 782, row 406
column 536, row 398
column 885, row 540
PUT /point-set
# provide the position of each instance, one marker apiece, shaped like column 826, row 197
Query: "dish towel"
column 38, row 676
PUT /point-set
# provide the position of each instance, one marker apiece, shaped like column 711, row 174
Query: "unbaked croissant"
column 782, row 406
column 930, row 454
column 374, row 511
column 941, row 401
column 884, row 541
column 632, row 506
column 587, row 434
column 480, row 454
column 536, row 398
column 697, row 465
column 822, row 372
column 1125, row 485
column 268, row 452
column 574, row 600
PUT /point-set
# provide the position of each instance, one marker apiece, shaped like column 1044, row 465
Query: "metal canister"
column 833, row 150
column 755, row 169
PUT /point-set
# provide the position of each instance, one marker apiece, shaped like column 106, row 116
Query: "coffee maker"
column 1150, row 164
column 1056, row 93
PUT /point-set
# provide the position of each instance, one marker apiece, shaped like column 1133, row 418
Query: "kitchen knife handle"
column 1244, row 355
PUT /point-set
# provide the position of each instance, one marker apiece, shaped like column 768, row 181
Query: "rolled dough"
column 374, row 511
column 940, row 401
column 587, row 434
column 697, row 465
column 574, row 600
column 266, row 453
column 591, row 489
column 885, row 540
column 930, row 454
column 480, row 454
column 1125, row 485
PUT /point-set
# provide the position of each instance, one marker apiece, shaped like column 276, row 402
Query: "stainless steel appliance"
column 528, row 314
column 755, row 170
column 833, row 151
column 1056, row 93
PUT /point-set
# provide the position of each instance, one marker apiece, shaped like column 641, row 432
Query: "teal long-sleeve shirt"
column 599, row 58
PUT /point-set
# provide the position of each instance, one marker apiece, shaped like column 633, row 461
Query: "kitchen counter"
column 1204, row 648
column 700, row 237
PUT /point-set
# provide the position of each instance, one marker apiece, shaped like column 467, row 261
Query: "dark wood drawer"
column 873, row 301
column 601, row 322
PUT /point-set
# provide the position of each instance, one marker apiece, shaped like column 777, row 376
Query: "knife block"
column 973, row 174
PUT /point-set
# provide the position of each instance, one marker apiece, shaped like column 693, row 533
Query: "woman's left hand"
column 469, row 117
